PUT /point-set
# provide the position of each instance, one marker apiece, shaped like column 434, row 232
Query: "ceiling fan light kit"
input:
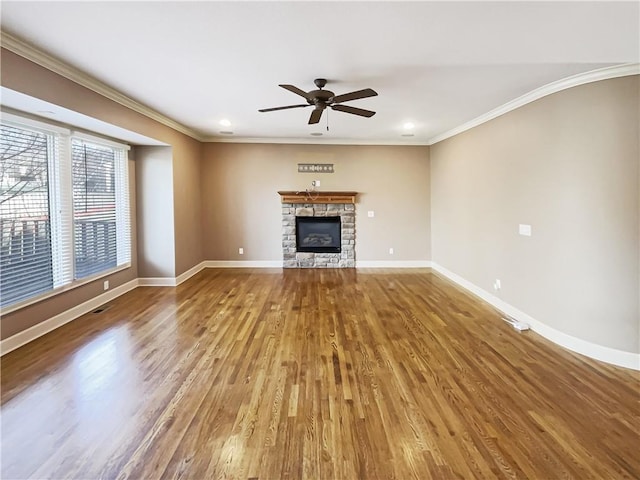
column 321, row 99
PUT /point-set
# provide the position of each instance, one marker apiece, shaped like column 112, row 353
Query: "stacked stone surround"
column 345, row 259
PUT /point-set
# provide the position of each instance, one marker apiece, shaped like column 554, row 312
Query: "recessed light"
column 226, row 132
column 408, row 126
column 225, row 123
column 316, row 134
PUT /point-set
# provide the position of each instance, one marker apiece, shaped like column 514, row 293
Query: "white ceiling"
column 436, row 64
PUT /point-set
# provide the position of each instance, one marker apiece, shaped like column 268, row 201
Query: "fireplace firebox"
column 318, row 234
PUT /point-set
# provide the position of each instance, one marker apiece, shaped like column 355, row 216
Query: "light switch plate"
column 371, row 214
column 524, row 230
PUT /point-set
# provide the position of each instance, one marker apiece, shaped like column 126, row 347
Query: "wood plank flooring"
column 311, row 374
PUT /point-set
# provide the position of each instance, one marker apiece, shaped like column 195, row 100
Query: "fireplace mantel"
column 317, row 197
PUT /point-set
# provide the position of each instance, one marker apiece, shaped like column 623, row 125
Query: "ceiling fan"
column 321, row 99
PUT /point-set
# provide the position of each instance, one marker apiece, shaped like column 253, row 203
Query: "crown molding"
column 605, row 73
column 313, row 141
column 31, row 53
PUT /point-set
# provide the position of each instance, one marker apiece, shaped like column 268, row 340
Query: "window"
column 64, row 209
column 25, row 229
column 96, row 219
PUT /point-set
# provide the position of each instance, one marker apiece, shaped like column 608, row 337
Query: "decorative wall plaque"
column 315, row 168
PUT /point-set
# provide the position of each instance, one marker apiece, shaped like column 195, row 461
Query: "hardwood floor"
column 315, row 374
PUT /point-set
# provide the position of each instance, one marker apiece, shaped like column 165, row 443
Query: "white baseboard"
column 393, row 264
column 278, row 264
column 243, row 264
column 157, row 282
column 171, row 281
column 583, row 347
column 30, row 334
column 183, row 277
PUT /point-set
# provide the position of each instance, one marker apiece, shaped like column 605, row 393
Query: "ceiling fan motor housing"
column 320, row 98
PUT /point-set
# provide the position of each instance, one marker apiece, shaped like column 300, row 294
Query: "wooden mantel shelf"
column 318, row 197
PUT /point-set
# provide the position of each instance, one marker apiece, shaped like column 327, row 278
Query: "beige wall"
column 187, row 207
column 156, row 245
column 241, row 207
column 31, row 79
column 567, row 164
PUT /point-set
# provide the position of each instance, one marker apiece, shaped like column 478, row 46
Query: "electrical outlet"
column 391, row 251
column 241, row 251
column 106, row 285
column 496, row 285
column 371, row 214
column 315, row 183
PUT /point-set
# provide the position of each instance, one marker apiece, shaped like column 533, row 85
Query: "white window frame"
column 61, row 207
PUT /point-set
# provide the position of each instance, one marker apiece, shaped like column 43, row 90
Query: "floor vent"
column 101, row 309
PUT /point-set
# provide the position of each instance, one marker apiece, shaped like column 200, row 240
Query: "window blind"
column 26, row 267
column 94, row 208
column 64, row 209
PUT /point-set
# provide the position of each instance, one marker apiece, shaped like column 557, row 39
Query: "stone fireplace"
column 327, row 242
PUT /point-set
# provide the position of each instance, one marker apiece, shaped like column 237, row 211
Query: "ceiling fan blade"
column 283, row 108
column 295, row 90
column 355, row 111
column 315, row 116
column 367, row 92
